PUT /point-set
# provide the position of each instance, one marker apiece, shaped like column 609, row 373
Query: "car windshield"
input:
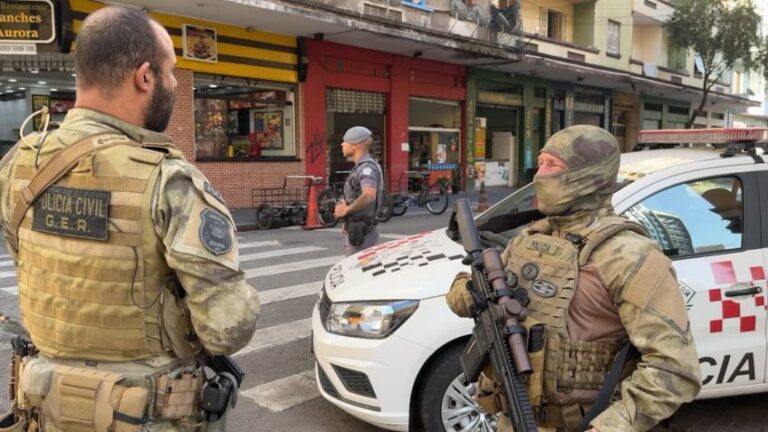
column 520, row 202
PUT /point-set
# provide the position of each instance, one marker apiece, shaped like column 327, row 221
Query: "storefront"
column 657, row 113
column 496, row 106
column 625, row 120
column 434, row 135
column 236, row 113
column 413, row 107
column 515, row 115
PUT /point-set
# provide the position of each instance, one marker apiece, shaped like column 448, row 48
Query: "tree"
column 721, row 32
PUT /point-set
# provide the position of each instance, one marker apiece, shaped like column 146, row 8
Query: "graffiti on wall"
column 316, row 146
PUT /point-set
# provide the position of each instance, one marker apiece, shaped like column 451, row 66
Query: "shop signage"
column 18, row 48
column 30, row 21
column 499, row 98
column 479, row 143
column 199, row 43
column 588, row 108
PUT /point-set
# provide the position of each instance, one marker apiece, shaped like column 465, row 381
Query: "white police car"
column 387, row 345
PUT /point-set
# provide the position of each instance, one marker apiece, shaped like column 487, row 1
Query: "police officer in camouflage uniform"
column 128, row 263
column 594, row 280
column 362, row 192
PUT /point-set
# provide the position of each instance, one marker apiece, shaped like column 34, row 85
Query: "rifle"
column 498, row 335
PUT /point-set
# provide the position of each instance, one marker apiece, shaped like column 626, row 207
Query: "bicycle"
column 417, row 192
column 332, row 195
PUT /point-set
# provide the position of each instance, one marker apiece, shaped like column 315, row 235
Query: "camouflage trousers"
column 505, row 425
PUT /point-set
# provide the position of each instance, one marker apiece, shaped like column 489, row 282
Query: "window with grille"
column 352, row 101
column 614, row 40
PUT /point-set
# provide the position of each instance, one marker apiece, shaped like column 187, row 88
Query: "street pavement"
column 287, row 266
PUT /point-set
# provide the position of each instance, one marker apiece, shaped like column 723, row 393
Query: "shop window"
column 540, row 92
column 614, row 37
column 435, row 139
column 718, row 116
column 237, row 119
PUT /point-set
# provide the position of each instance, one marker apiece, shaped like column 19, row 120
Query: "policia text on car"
column 127, row 259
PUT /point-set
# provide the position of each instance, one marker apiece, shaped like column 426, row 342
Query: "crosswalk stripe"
column 280, row 334
column 383, row 235
column 285, row 392
column 11, row 290
column 280, row 252
column 291, row 267
column 258, row 244
column 290, row 292
column 9, row 263
column 393, row 236
column 7, row 274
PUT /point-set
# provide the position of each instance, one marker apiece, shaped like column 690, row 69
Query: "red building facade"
column 413, row 106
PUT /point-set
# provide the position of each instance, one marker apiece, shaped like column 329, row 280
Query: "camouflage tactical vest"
column 93, row 282
column 548, row 268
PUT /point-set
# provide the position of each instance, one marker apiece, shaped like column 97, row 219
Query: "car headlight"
column 372, row 320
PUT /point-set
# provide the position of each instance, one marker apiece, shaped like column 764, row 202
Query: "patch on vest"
column 511, row 279
column 530, row 271
column 215, row 232
column 72, row 212
column 544, row 247
column 213, row 192
column 544, row 288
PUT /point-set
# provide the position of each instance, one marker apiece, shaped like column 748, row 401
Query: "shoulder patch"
column 213, row 192
column 215, row 232
column 367, row 171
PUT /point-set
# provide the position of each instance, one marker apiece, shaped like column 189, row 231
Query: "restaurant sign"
column 27, row 21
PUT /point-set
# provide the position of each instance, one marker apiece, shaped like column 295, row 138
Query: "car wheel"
column 446, row 398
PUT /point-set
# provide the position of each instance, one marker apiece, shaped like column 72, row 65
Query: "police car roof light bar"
column 735, row 140
column 704, row 136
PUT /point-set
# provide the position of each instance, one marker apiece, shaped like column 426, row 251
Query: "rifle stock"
column 498, row 336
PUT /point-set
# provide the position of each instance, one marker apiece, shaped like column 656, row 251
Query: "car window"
column 693, row 218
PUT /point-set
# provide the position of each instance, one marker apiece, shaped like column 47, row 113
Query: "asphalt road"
column 280, row 392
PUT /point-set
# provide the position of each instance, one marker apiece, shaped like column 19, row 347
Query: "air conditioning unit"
column 382, row 11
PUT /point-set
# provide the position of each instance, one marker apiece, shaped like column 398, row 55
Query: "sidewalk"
column 245, row 217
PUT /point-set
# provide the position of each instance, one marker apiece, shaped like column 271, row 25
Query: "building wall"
column 333, row 65
column 233, row 179
column 241, row 53
column 621, row 12
column 584, row 24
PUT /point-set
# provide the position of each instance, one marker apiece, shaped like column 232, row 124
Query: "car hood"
column 412, row 268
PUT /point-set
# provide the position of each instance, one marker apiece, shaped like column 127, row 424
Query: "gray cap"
column 357, row 134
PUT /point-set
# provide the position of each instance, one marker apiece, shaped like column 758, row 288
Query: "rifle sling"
column 609, row 386
column 56, row 168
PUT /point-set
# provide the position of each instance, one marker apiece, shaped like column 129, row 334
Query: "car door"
column 762, row 181
column 708, row 223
